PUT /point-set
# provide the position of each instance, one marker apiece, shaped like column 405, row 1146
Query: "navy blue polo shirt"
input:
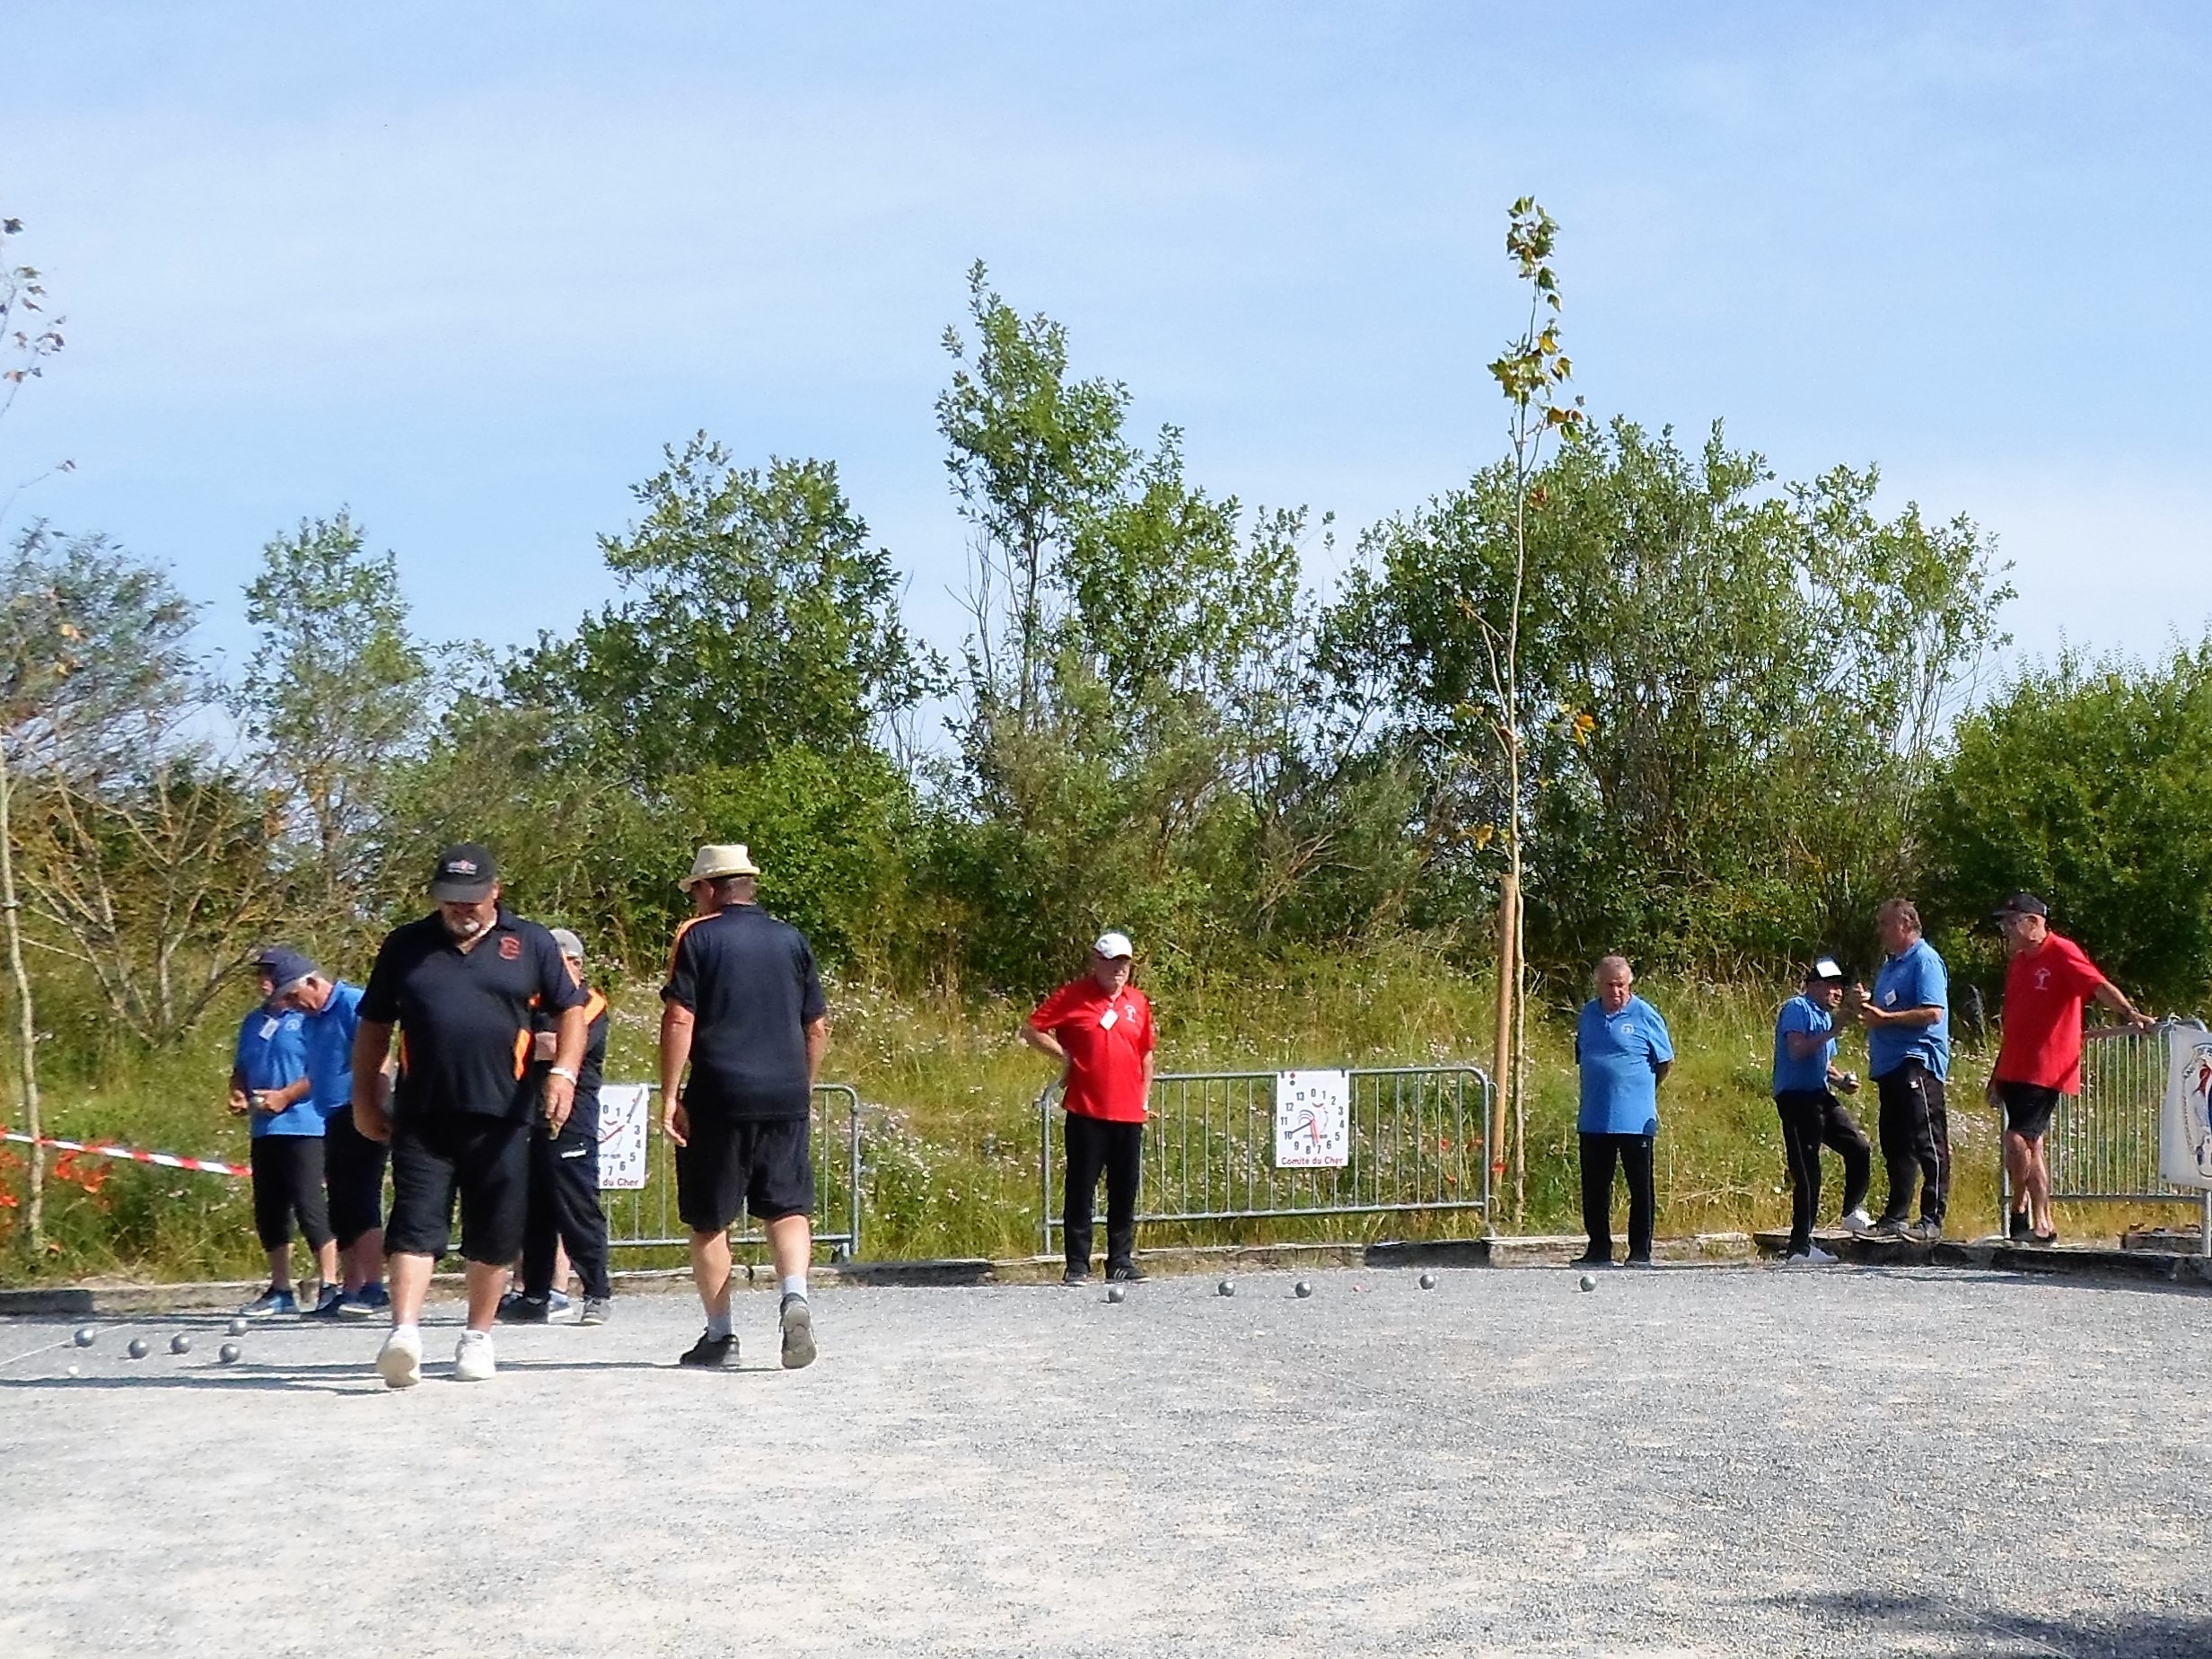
column 464, row 1017
column 752, row 989
column 591, row 1070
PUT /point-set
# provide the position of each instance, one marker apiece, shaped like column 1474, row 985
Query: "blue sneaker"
column 269, row 1303
column 330, row 1303
column 557, row 1302
column 366, row 1303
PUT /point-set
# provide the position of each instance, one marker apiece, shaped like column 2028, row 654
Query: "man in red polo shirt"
column 1099, row 1028
column 2047, row 981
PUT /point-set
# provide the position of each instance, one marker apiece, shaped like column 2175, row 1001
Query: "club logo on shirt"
column 510, row 949
column 2042, row 978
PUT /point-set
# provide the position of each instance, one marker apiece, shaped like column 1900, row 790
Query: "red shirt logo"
column 510, row 949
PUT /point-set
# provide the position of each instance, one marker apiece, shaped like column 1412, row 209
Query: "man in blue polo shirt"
column 1908, row 1021
column 353, row 1165
column 1805, row 1080
column 460, row 984
column 1623, row 1050
column 269, row 1088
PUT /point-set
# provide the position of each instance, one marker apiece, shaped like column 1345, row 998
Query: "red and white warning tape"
column 167, row 1160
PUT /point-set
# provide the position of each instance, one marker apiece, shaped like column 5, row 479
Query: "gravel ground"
column 1695, row 1460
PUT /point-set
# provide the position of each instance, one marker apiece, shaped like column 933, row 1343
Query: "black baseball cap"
column 465, row 875
column 2021, row 904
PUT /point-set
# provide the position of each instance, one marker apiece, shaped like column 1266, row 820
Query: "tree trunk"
column 1502, row 1068
column 28, row 1034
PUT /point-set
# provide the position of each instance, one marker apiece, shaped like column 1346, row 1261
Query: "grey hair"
column 1905, row 911
column 1605, row 962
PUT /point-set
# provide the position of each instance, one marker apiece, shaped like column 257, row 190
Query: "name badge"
column 1106, row 1019
column 268, row 1027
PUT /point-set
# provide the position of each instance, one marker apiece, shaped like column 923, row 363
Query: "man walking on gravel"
column 353, row 1165
column 1623, row 1050
column 564, row 1211
column 1908, row 1022
column 1099, row 1030
column 2048, row 979
column 269, row 1087
column 743, row 1012
column 1805, row 1079
column 460, row 984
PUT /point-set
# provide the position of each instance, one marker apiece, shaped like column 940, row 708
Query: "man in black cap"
column 2048, row 979
column 460, row 984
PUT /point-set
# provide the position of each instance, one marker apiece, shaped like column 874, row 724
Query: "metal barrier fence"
column 645, row 1219
column 1417, row 1141
column 2103, row 1144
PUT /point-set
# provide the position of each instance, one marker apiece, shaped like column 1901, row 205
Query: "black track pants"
column 1599, row 1155
column 564, row 1208
column 1093, row 1144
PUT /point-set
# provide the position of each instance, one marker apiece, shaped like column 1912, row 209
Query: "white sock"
column 795, row 1286
column 411, row 1331
column 476, row 1336
column 718, row 1324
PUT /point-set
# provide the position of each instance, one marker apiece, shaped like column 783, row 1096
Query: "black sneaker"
column 2019, row 1229
column 520, row 1310
column 798, row 1321
column 1637, row 1261
column 1893, row 1227
column 1075, row 1276
column 710, row 1351
column 330, row 1303
column 1591, row 1258
column 1926, row 1230
column 2046, row 1240
column 1126, row 1273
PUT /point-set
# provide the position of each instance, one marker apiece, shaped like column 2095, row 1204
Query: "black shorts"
column 352, row 1167
column 287, row 1181
column 483, row 1161
column 758, row 1165
column 2028, row 1108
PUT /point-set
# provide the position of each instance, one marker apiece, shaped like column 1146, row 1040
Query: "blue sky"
column 467, row 269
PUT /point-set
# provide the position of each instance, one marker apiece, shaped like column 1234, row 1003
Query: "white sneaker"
column 399, row 1362
column 1815, row 1257
column 1858, row 1221
column 472, row 1359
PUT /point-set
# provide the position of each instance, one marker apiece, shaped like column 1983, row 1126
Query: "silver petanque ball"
column 1587, row 1283
column 228, row 1353
column 182, row 1343
column 1116, row 1293
column 85, row 1335
column 1428, row 1281
column 1227, row 1287
column 1301, row 1289
column 138, row 1348
column 237, row 1327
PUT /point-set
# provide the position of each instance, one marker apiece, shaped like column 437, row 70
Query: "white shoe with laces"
column 472, row 1359
column 1857, row 1221
column 399, row 1362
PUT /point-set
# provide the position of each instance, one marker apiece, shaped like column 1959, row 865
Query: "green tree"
column 2089, row 782
column 89, row 639
column 1730, row 690
column 336, row 695
column 756, row 617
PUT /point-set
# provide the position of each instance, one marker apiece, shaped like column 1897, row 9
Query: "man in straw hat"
column 743, row 1014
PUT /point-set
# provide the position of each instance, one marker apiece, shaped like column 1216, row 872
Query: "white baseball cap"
column 1114, row 946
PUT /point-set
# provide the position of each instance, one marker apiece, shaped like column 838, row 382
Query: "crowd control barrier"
column 645, row 1219
column 2103, row 1144
column 1233, row 1147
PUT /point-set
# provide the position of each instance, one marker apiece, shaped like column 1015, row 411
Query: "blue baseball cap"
column 284, row 968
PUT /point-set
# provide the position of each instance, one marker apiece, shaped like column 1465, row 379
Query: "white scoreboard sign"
column 1313, row 1119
